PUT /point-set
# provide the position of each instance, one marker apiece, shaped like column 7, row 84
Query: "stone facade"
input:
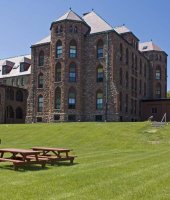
column 13, row 103
column 128, row 75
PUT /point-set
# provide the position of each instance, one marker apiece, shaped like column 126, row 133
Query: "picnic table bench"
column 55, row 155
column 22, row 157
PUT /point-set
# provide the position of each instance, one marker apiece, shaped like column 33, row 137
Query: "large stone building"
column 86, row 70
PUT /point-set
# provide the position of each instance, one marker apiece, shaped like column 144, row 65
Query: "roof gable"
column 149, row 46
column 96, row 23
column 70, row 15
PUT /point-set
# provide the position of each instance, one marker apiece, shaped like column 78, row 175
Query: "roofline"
column 109, row 31
column 14, row 57
column 71, row 21
column 34, row 45
column 131, row 33
column 155, row 51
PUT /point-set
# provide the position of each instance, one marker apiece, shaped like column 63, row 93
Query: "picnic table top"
column 23, row 151
column 51, row 149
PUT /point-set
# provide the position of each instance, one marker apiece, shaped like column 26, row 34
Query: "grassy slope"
column 121, row 161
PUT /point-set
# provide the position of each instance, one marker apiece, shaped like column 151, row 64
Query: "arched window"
column 59, row 29
column 73, row 49
column 72, row 99
column 140, row 87
column 40, row 81
column 100, row 73
column 145, row 70
column 59, row 50
column 133, row 60
column 126, row 105
column 40, row 103
column 0, row 99
column 72, row 72
column 136, row 62
column 158, row 73
column 41, row 59
column 120, row 101
column 18, row 113
column 121, row 52
column 70, row 28
column 140, row 70
column 127, row 56
column 158, row 90
column 57, row 98
column 75, row 29
column 100, row 49
column 11, row 91
column 19, row 95
column 120, row 76
column 99, row 100
column 127, row 80
column 10, row 112
column 58, row 72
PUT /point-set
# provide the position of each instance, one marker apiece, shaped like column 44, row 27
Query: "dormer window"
column 6, row 69
column 24, row 67
column 145, row 47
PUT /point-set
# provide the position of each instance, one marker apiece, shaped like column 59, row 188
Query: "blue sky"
column 24, row 22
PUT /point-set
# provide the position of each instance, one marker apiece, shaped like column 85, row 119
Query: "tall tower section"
column 158, row 69
column 67, row 49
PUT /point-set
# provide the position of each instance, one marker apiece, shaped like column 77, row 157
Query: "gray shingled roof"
column 44, row 40
column 16, row 66
column 96, row 23
column 121, row 29
column 70, row 15
column 149, row 46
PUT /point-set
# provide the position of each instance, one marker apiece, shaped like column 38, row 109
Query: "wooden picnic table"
column 21, row 157
column 55, row 154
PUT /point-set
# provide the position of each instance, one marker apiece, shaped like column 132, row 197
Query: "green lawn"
column 121, row 161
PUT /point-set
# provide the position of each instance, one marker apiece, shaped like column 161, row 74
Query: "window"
column 140, row 87
column 75, row 29
column 39, row 119
column 71, row 29
column 127, row 56
column 154, row 110
column 6, row 69
column 72, row 99
column 121, row 52
column 40, row 103
column 59, row 29
column 126, row 106
column 0, row 99
column 120, row 76
column 22, row 81
column 140, row 69
column 40, row 81
column 73, row 49
column 18, row 113
column 11, row 94
column 41, row 58
column 120, row 101
column 136, row 62
column 145, row 70
column 100, row 73
column 145, row 47
column 71, row 117
column 158, row 73
column 133, row 60
column 24, row 67
column 58, row 72
column 98, row 118
column 56, row 117
column 158, row 90
column 58, row 98
column 19, row 95
column 9, row 112
column 99, row 100
column 59, row 50
column 144, row 89
column 72, row 72
column 127, row 80
column 100, row 49
column 12, row 82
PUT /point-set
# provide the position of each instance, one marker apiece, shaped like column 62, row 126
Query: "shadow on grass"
column 24, row 169
column 35, row 167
